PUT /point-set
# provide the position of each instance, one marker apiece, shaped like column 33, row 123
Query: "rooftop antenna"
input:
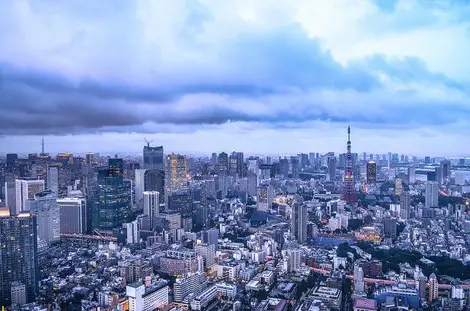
column 148, row 142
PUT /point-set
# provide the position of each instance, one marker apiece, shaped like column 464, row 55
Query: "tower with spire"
column 348, row 182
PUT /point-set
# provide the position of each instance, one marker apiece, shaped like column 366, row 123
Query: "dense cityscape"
column 163, row 231
column 234, row 155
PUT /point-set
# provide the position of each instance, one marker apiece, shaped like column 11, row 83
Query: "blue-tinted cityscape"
column 234, row 155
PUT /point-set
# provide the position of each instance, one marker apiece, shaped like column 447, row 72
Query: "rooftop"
column 363, row 303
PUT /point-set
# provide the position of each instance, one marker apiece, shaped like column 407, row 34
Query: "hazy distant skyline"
column 273, row 77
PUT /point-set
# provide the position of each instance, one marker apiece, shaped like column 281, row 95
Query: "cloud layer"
column 188, row 67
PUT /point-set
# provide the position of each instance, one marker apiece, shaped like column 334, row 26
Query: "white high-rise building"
column 139, row 187
column 45, row 207
column 149, row 298
column 294, row 259
column 358, row 279
column 151, row 206
column 431, row 194
column 132, row 232
column 53, row 179
column 25, row 190
column 190, row 283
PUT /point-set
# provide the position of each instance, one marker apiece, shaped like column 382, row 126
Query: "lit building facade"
column 19, row 255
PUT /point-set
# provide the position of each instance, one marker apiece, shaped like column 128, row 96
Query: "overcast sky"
column 258, row 76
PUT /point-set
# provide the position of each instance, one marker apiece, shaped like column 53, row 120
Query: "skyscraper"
column 371, row 172
column 411, row 174
column 90, row 158
column 446, row 170
column 45, row 207
column 431, row 194
column 154, row 180
column 53, row 179
column 299, row 222
column 177, row 170
column 111, row 202
column 139, row 184
column 405, row 205
column 331, row 168
column 116, row 167
column 390, row 227
column 25, row 190
column 73, row 215
column 222, row 161
column 154, row 158
column 151, row 206
column 19, row 259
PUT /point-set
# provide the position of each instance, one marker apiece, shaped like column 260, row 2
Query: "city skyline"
column 261, row 78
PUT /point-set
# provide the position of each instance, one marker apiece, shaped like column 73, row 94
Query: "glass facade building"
column 111, row 203
column 18, row 255
column 153, row 158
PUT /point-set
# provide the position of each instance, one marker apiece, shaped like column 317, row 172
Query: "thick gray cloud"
column 183, row 66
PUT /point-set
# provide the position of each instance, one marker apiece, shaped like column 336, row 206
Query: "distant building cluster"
column 166, row 231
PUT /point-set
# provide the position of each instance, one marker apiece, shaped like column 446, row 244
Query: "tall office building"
column 181, row 203
column 19, row 255
column 445, row 166
column 111, row 201
column 265, row 197
column 252, row 183
column 10, row 192
column 232, row 164
column 25, row 190
column 177, row 172
column 405, row 205
column 240, row 164
column 149, row 180
column 371, row 172
column 411, row 174
column 90, row 158
column 222, row 161
column 53, row 179
column 431, row 194
column 139, row 184
column 45, row 207
column 151, row 206
column 211, row 237
column 331, row 168
column 73, row 215
column 154, row 158
column 154, row 180
column 116, row 167
column 299, row 222
column 390, row 227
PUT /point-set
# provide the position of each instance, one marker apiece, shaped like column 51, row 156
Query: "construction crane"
column 148, row 142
